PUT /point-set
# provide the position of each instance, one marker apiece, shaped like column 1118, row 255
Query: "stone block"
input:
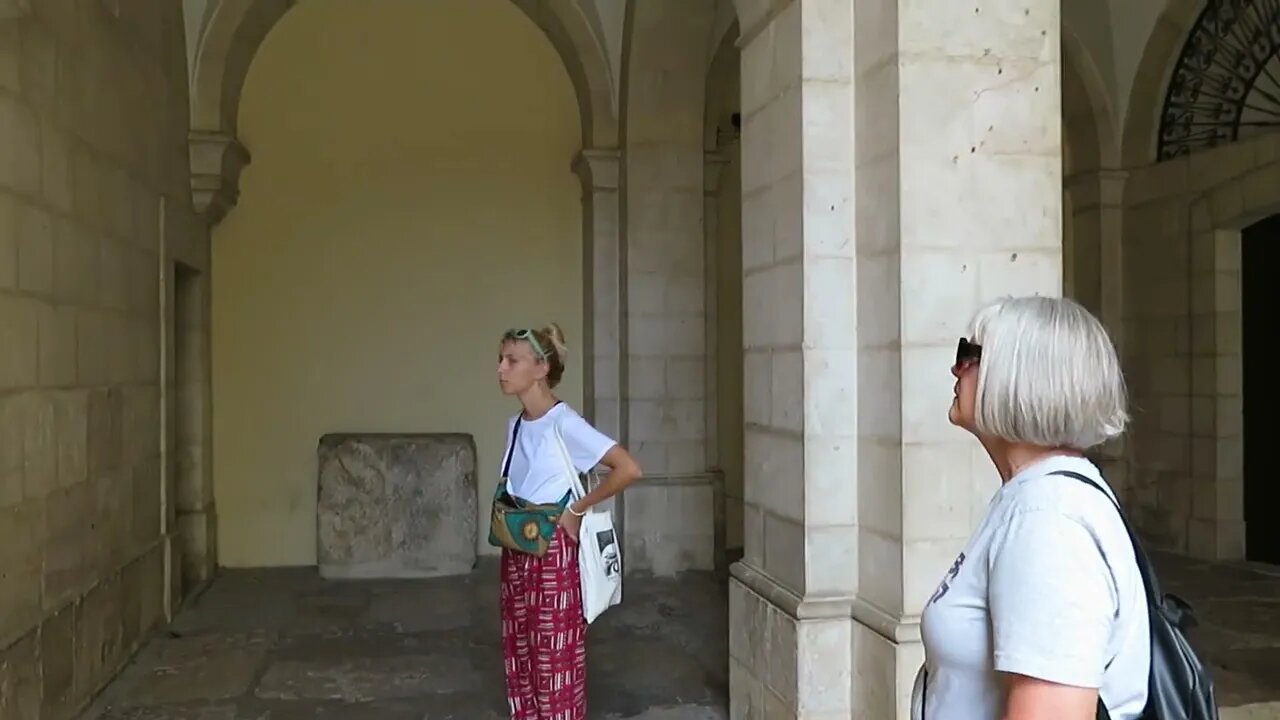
column 20, row 680
column 396, row 505
column 20, row 153
column 670, row 528
column 57, row 663
column 39, row 447
column 19, row 359
column 20, row 532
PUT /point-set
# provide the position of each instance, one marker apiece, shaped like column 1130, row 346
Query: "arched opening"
column 1225, row 84
column 398, row 215
column 1202, row 108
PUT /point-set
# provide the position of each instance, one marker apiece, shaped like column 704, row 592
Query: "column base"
column 815, row 658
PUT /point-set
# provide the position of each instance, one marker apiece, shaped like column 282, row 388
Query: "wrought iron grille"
column 1226, row 83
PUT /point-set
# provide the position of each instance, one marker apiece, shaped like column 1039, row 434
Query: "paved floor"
column 1238, row 608
column 285, row 645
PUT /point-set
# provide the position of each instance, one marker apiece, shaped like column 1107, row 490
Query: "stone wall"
column 1182, row 341
column 92, row 134
column 669, row 516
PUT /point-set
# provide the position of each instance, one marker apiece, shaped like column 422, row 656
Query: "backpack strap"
column 1144, row 565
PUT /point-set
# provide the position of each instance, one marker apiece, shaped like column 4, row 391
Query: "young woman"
column 543, row 629
column 1044, row 614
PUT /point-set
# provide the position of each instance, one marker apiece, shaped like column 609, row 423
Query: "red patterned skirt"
column 544, row 633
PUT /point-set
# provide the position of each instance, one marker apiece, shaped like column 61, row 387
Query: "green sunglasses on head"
column 532, row 339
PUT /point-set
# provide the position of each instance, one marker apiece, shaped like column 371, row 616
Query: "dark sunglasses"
column 967, row 352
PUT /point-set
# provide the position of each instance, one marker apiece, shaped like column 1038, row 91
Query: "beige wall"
column 408, row 200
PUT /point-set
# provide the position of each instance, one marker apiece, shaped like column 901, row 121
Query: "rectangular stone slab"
column 396, row 505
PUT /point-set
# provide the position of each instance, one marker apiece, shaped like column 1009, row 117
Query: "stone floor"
column 1238, row 609
column 285, row 645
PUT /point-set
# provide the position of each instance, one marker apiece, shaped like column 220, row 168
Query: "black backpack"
column 1179, row 686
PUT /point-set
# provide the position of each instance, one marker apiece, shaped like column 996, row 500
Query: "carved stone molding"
column 216, row 162
column 598, row 169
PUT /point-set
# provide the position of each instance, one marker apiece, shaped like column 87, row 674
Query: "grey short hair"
column 1048, row 376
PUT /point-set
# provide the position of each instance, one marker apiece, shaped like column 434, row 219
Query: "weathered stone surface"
column 396, row 505
column 370, row 678
column 659, row 656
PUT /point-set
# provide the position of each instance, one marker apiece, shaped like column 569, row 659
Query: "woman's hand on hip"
column 571, row 523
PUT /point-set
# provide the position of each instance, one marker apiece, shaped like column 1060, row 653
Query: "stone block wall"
column 1182, row 345
column 92, row 134
column 665, row 303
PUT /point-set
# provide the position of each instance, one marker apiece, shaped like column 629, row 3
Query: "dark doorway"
column 1260, row 396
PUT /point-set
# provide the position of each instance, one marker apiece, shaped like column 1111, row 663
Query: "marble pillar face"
column 901, row 166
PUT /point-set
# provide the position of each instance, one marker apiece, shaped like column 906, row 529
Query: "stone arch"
column 236, row 28
column 1089, row 150
column 1088, row 124
column 1142, row 118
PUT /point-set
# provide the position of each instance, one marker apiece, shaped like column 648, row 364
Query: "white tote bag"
column 599, row 555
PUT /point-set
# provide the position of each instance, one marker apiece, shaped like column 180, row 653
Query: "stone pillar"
column 602, row 297
column 1097, row 220
column 1096, row 267
column 789, row 598
column 865, row 255
column 712, row 166
column 670, row 513
column 602, row 294
column 960, row 201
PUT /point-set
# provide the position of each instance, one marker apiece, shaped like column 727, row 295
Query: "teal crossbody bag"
column 516, row 524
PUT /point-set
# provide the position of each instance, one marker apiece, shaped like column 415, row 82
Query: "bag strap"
column 570, row 468
column 1144, row 565
column 506, row 463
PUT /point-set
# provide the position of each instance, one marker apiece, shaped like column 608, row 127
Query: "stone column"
column 670, row 513
column 865, row 255
column 602, row 348
column 602, row 293
column 712, row 166
column 1096, row 267
column 789, row 598
column 959, row 176
column 1097, row 221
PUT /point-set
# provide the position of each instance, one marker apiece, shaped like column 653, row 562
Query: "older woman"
column 1044, row 611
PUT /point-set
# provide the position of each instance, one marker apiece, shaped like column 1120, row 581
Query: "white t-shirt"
column 537, row 469
column 1047, row 587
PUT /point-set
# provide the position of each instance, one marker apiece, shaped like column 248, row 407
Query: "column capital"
column 1097, row 187
column 598, row 168
column 216, row 161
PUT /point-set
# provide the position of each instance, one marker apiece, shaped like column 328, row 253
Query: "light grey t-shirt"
column 1047, row 587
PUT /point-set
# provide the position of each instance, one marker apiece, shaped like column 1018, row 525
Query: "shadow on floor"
column 1238, row 609
column 287, row 645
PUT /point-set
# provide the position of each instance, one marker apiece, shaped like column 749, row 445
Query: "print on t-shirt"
column 945, row 585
